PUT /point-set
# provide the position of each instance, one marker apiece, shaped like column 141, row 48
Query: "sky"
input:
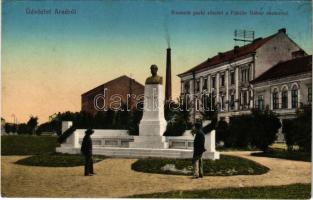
column 49, row 60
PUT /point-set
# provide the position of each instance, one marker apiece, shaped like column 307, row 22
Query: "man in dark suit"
column 198, row 149
column 86, row 150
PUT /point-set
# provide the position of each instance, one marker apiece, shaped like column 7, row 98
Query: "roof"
column 287, row 68
column 116, row 79
column 233, row 54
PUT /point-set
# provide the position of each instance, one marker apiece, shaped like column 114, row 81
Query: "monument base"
column 141, row 152
column 153, row 142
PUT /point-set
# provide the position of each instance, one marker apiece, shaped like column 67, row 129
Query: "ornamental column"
column 217, row 84
column 209, row 84
column 237, row 88
column 227, row 92
column 289, row 99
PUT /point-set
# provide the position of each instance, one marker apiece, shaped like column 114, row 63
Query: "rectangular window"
column 213, row 82
column 198, row 85
column 294, row 98
column 284, row 99
column 309, row 95
column 260, row 102
column 197, row 104
column 232, row 78
column 222, row 80
column 205, row 84
column 248, row 75
column 275, row 100
column 244, row 98
column 186, row 86
column 232, row 101
column 242, row 76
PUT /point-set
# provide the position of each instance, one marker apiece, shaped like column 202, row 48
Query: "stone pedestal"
column 153, row 124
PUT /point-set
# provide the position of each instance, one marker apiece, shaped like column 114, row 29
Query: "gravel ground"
column 116, row 179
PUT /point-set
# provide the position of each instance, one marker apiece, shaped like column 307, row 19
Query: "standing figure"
column 86, row 150
column 198, row 149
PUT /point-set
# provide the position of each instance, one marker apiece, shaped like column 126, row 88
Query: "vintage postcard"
column 156, row 99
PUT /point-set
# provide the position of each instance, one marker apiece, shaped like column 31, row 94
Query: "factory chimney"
column 168, row 81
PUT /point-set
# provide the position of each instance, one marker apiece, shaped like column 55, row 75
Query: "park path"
column 116, row 179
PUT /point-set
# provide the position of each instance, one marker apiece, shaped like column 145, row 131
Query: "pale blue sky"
column 56, row 58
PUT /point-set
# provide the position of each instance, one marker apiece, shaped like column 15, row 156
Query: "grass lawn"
column 57, row 160
column 27, row 144
column 225, row 166
column 295, row 191
column 279, row 153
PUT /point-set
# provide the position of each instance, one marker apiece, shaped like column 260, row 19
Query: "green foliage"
column 57, row 160
column 298, row 131
column 294, row 191
column 222, row 133
column 264, row 129
column 46, row 127
column 225, row 166
column 177, row 116
column 133, row 122
column 240, row 128
column 23, row 129
column 27, row 145
column 254, row 130
column 32, row 124
column 10, row 128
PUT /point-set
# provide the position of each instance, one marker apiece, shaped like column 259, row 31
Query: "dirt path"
column 116, row 179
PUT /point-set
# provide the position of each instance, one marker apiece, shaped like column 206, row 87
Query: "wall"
column 121, row 86
column 279, row 48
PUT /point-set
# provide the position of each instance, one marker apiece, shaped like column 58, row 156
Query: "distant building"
column 285, row 87
column 120, row 91
column 226, row 77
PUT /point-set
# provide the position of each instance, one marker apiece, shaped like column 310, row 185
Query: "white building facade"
column 226, row 77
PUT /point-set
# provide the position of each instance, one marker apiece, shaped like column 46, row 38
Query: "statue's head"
column 154, row 70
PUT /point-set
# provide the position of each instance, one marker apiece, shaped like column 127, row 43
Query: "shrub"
column 299, row 131
column 264, row 129
column 290, row 138
column 133, row 122
column 222, row 132
column 177, row 119
column 240, row 129
column 257, row 129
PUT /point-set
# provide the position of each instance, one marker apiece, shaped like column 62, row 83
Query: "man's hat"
column 89, row 131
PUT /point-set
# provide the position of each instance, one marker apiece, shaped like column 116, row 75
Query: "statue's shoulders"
column 154, row 80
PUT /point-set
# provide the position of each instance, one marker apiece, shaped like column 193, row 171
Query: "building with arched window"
column 285, row 87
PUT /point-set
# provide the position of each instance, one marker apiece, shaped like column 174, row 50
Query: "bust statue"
column 154, row 79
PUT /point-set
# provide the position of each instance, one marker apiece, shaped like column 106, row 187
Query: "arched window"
column 284, row 98
column 294, row 97
column 275, row 99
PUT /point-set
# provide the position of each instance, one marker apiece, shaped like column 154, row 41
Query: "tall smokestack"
column 168, row 81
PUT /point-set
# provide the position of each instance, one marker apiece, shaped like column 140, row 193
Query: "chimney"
column 282, row 30
column 236, row 49
column 168, row 81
